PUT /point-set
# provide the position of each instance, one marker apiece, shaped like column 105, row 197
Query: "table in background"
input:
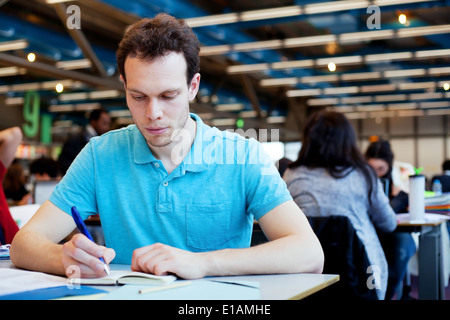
column 431, row 262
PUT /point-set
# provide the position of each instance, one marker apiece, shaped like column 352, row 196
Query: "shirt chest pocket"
column 207, row 226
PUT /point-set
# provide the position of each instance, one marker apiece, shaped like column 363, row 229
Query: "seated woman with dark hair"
column 331, row 177
column 398, row 247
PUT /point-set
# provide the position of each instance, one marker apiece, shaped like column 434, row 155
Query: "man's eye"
column 169, row 97
column 138, row 98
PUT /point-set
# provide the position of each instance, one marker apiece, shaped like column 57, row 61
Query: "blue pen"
column 82, row 227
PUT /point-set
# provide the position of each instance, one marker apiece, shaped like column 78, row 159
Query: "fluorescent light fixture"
column 247, row 68
column 323, row 101
column 436, row 71
column 73, row 107
column 362, row 99
column 423, row 31
column 13, row 45
column 432, row 53
column 388, row 56
column 223, row 122
column 303, row 93
column 248, row 114
column 212, row 20
column 391, row 97
column 360, row 76
column 435, row 104
column 278, row 82
column 271, row 13
column 357, row 37
column 344, row 38
column 426, row 96
column 341, row 90
column 288, row 11
column 229, row 107
column 14, row 101
column 404, row 73
column 417, row 85
column 74, row 64
column 25, row 86
column 276, row 119
column 370, row 58
column 378, row 88
column 212, row 50
column 258, row 45
column 402, row 106
column 11, row 71
column 308, row 41
column 104, row 94
column 57, row 1
column 120, row 113
column 325, row 7
column 292, row 64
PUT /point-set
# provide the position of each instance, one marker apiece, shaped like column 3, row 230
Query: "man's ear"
column 124, row 83
column 194, row 86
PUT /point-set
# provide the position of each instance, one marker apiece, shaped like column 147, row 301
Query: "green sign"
column 32, row 117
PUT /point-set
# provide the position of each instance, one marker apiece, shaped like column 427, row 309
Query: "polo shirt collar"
column 192, row 162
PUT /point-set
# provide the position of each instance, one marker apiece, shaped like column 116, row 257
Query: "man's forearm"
column 290, row 254
column 42, row 255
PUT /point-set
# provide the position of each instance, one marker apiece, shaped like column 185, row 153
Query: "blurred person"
column 9, row 141
column 331, row 177
column 444, row 178
column 99, row 123
column 44, row 168
column 398, row 247
column 14, row 185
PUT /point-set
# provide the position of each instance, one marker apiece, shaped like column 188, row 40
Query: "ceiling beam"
column 79, row 38
column 51, row 71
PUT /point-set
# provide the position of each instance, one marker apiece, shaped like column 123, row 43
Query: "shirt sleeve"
column 77, row 187
column 264, row 187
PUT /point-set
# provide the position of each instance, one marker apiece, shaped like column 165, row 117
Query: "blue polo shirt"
column 207, row 203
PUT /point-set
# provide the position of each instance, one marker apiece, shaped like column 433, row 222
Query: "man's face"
column 158, row 96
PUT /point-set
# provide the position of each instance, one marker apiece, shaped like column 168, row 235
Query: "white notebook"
column 117, row 277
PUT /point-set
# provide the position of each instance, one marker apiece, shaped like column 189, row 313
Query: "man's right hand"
column 85, row 254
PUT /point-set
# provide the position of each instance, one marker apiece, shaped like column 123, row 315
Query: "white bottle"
column 437, row 187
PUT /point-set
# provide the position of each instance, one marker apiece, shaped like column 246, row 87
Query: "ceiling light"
column 402, row 18
column 446, row 86
column 31, row 57
column 332, row 66
column 59, row 88
column 13, row 45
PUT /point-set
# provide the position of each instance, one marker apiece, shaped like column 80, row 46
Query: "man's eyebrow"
column 173, row 90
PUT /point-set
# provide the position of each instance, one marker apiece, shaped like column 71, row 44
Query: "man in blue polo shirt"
column 173, row 194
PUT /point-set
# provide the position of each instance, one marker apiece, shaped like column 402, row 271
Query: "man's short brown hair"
column 149, row 39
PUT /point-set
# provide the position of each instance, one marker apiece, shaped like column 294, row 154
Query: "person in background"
column 283, row 164
column 9, row 141
column 14, row 185
column 444, row 178
column 99, row 123
column 398, row 247
column 331, row 177
column 44, row 169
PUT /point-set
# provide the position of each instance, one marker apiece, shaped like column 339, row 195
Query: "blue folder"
column 51, row 293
